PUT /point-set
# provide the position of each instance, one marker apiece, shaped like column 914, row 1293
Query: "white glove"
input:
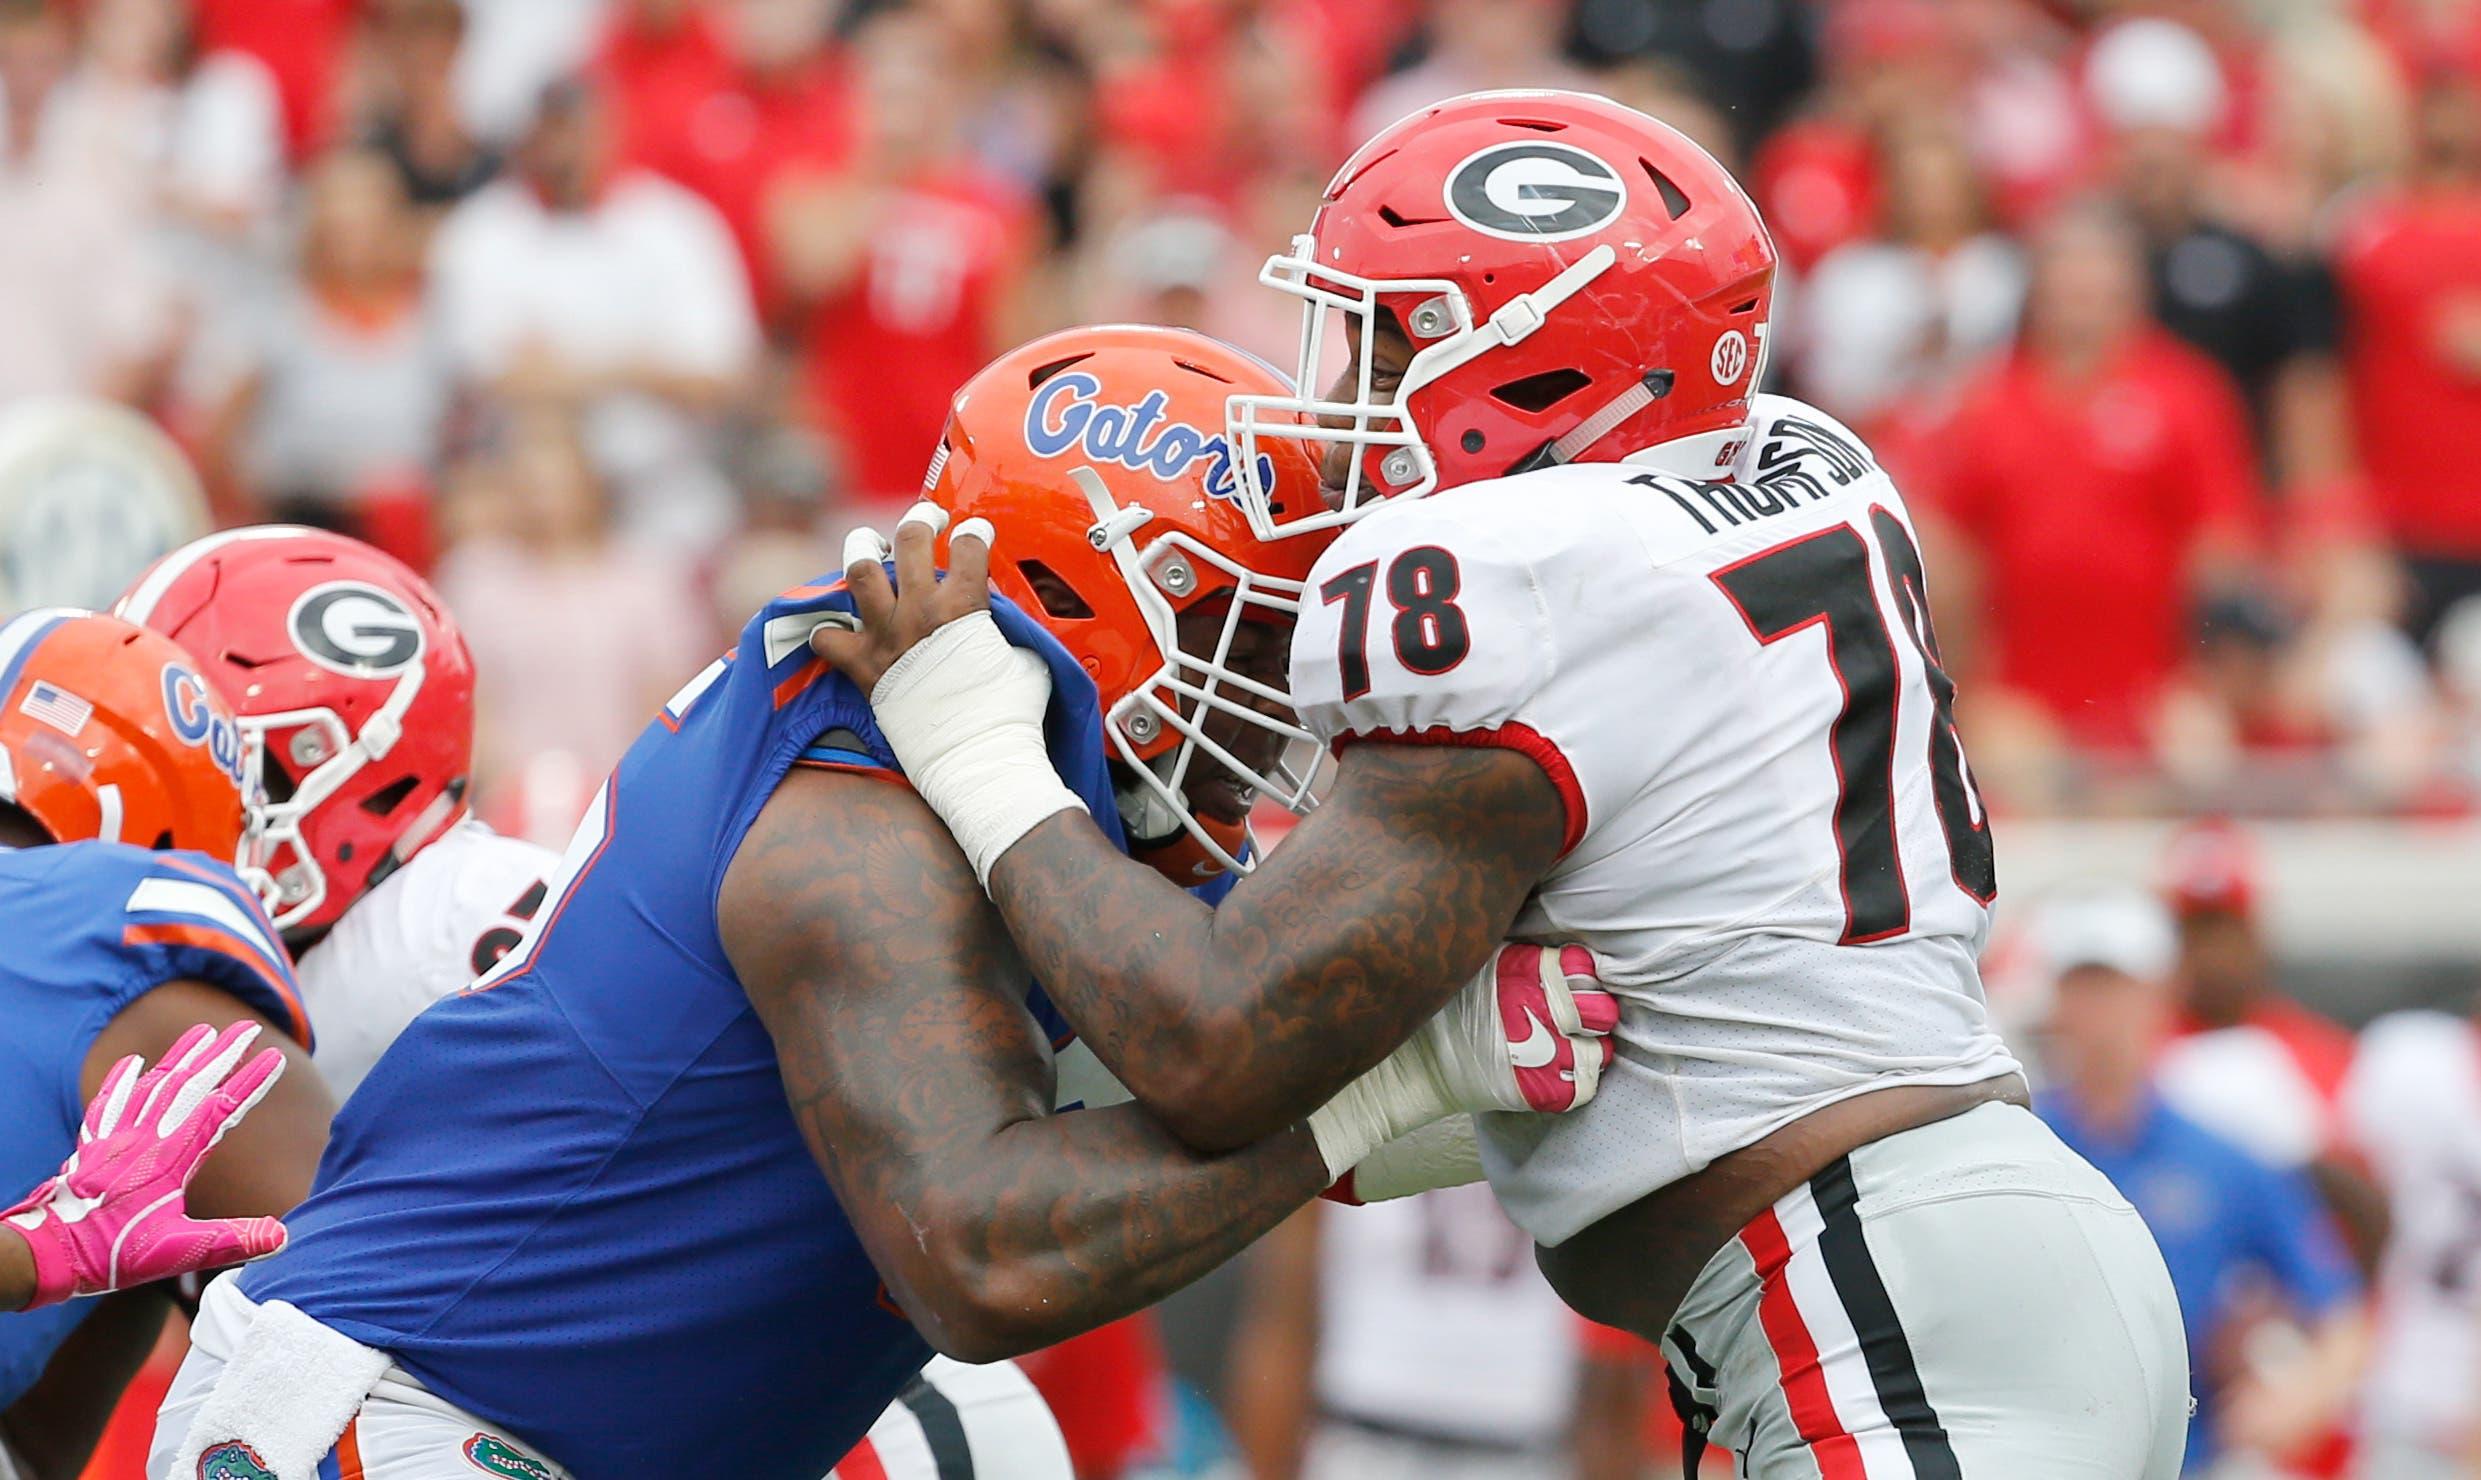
column 963, row 711
column 1530, row 1031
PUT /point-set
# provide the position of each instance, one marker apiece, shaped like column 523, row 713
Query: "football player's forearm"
column 922, row 1086
column 1230, row 1024
column 1062, row 1223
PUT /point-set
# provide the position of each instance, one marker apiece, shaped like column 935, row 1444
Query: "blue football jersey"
column 574, row 1201
column 91, row 928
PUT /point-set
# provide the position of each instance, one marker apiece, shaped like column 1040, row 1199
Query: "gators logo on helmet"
column 233, row 1460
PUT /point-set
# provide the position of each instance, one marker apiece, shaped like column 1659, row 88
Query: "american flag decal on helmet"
column 57, row 707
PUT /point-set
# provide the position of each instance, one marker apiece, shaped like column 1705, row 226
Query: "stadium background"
column 614, row 314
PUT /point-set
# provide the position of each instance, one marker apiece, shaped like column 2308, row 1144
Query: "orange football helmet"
column 1098, row 456
column 108, row 731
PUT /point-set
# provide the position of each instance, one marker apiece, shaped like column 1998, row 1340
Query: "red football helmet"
column 1579, row 283
column 356, row 701
column 1095, row 455
column 110, row 733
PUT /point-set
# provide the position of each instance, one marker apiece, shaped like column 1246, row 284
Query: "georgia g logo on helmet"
column 1534, row 190
column 354, row 629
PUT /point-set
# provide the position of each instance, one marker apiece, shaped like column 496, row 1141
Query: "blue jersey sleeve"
column 189, row 916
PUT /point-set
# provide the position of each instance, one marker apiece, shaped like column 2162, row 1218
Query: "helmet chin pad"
column 1162, row 839
column 1185, row 861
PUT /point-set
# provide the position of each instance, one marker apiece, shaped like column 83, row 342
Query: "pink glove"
column 1530, row 1031
column 115, row 1216
column 1548, row 1001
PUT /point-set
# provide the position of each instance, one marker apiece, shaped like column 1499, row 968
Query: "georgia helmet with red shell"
column 109, row 732
column 1097, row 456
column 355, row 694
column 1578, row 282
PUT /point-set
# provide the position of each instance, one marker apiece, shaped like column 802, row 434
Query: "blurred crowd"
column 2166, row 312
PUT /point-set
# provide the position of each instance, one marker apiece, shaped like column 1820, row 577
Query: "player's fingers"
column 229, row 1105
column 246, row 1239
column 1557, row 990
column 864, row 545
column 165, row 1078
column 201, row 1079
column 969, row 562
column 874, row 601
column 111, row 1102
column 1598, row 1012
column 916, row 535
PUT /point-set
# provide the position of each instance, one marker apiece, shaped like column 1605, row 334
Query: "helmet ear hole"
column 1539, row 393
column 1059, row 599
column 391, row 796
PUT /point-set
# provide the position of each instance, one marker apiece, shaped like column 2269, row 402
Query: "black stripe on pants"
column 1883, row 1345
column 941, row 1426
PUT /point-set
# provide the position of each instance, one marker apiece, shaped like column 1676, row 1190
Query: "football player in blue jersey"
column 121, row 818
column 697, row 1177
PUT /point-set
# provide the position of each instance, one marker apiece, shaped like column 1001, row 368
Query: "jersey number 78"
column 1823, row 578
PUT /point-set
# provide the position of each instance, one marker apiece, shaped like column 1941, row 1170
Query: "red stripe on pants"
column 1804, row 1382
column 861, row 1464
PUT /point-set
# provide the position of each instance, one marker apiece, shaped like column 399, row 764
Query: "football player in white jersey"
column 1614, row 650
column 356, row 696
column 354, row 688
column 2413, row 1104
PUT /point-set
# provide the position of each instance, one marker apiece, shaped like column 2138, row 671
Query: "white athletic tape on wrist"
column 963, row 711
column 1394, row 1098
column 1447, row 1153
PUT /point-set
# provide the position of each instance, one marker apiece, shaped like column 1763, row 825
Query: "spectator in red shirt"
column 2094, row 476
column 908, row 261
column 732, row 105
column 2410, row 270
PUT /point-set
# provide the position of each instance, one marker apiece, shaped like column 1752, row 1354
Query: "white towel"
column 288, row 1392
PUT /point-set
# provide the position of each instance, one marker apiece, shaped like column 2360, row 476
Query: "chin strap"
column 1514, row 321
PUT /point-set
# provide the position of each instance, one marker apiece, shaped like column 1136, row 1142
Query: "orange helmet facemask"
column 1099, row 458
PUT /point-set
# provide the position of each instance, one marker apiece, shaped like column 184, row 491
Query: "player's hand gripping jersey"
column 654, row 1277
column 1735, row 688
column 93, row 927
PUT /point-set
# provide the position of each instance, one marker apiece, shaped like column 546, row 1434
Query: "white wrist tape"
column 1396, row 1096
column 1447, row 1153
column 963, row 711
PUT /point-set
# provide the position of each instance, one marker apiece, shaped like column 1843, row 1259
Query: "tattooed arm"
column 923, row 1088
column 1231, row 1022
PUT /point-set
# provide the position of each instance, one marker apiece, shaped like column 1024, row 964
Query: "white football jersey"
column 2413, row 1105
column 1433, row 1317
column 426, row 931
column 1773, row 844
